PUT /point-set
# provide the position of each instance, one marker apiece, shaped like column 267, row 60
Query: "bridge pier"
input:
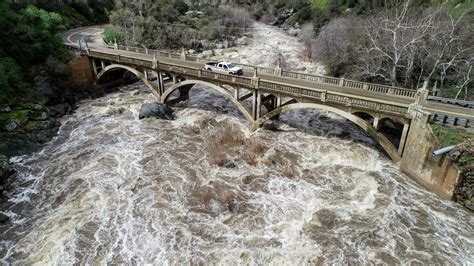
column 259, row 104
column 418, row 142
column 236, row 93
column 376, row 122
column 94, row 67
column 254, row 104
column 401, row 146
column 278, row 101
column 161, row 85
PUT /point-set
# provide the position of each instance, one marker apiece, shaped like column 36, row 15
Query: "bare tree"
column 404, row 46
column 307, row 37
column 335, row 43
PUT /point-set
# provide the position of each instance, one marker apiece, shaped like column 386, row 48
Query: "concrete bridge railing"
column 330, row 97
column 409, row 93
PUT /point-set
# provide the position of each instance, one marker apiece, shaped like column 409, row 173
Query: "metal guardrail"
column 462, row 103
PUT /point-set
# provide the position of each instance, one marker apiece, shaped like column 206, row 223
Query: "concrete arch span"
column 154, row 89
column 387, row 146
column 188, row 84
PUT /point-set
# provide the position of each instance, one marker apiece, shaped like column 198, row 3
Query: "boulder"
column 208, row 53
column 13, row 120
column 4, row 108
column 280, row 20
column 4, row 168
column 219, row 52
column 220, row 45
column 38, row 116
column 4, row 218
column 232, row 55
column 243, row 40
column 301, row 67
column 59, row 110
column 37, row 126
column 113, row 111
column 205, row 43
column 158, row 110
column 293, row 31
column 230, row 165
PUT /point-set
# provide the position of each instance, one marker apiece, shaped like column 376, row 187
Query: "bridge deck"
column 433, row 107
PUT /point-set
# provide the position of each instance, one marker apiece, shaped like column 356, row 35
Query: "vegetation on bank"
column 448, row 136
column 177, row 24
column 29, row 45
column 398, row 43
column 34, row 77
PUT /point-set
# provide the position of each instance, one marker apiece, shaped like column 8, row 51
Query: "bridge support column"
column 236, row 93
column 278, row 101
column 94, row 67
column 401, row 146
column 259, row 104
column 161, row 86
column 255, row 104
column 376, row 123
column 437, row 174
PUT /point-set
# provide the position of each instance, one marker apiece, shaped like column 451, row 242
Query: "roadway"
column 91, row 34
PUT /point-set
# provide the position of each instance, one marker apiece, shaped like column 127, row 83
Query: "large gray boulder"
column 157, row 110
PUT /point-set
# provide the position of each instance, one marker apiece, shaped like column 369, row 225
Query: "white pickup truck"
column 223, row 67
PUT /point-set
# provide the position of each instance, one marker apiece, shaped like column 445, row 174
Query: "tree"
column 113, row 35
column 405, row 46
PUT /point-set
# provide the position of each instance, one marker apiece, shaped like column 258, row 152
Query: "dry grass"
column 226, row 197
column 204, row 196
column 251, row 159
column 220, row 159
column 228, row 140
column 257, row 147
column 288, row 172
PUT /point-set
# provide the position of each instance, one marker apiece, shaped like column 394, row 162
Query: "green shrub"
column 113, row 34
column 10, row 75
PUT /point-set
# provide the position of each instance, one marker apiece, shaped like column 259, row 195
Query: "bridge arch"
column 188, row 84
column 387, row 146
column 137, row 73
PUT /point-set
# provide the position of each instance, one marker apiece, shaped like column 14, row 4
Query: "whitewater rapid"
column 112, row 189
column 311, row 188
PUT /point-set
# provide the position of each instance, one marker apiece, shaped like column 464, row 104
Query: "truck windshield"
column 230, row 65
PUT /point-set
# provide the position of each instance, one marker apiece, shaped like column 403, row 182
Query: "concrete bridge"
column 272, row 91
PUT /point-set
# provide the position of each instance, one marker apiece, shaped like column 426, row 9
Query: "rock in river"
column 157, row 110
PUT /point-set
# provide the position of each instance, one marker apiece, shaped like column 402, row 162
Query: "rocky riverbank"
column 27, row 124
column 266, row 45
column 464, row 158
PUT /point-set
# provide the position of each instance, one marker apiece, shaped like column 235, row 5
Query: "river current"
column 114, row 189
column 310, row 188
